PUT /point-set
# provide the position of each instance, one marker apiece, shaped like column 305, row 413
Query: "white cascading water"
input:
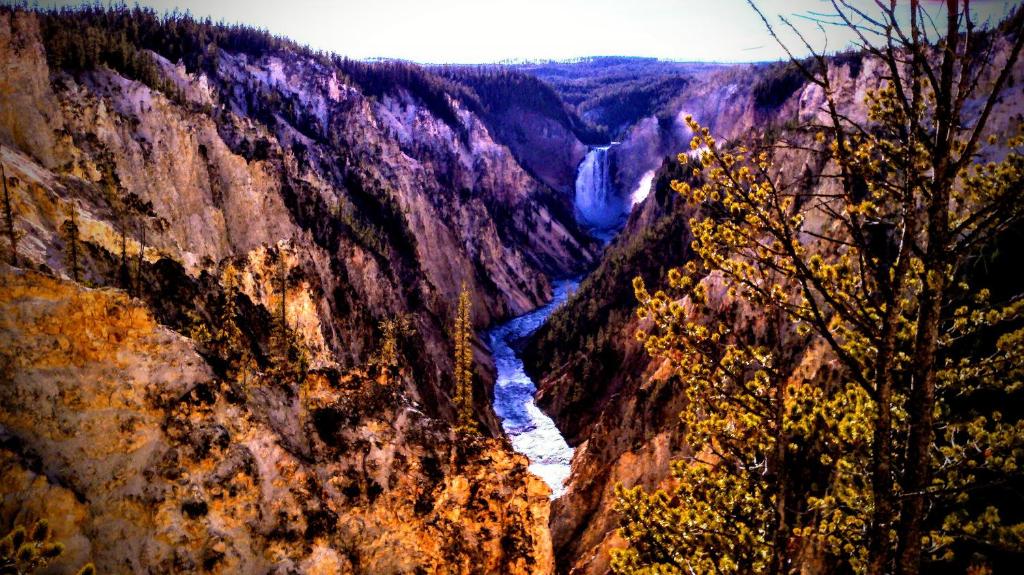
column 598, row 206
column 531, row 431
column 642, row 189
column 601, row 209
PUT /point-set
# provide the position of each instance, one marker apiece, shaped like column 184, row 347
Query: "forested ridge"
column 615, row 92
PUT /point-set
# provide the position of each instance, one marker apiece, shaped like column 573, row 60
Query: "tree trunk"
column 879, row 549
column 780, row 541
column 140, row 261
column 921, row 405
column 920, row 409
column 892, row 278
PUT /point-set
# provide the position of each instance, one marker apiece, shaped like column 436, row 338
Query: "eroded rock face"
column 278, row 184
column 543, row 146
column 384, row 208
column 29, row 103
column 118, row 432
column 723, row 100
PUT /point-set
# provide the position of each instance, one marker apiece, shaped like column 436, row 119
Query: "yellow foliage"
column 463, row 336
column 863, row 285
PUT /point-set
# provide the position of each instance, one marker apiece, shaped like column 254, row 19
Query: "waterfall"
column 598, row 205
column 643, row 188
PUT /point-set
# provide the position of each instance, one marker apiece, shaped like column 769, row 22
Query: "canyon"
column 617, row 406
column 275, row 183
column 246, row 364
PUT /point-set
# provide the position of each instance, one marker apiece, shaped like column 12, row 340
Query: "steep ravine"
column 613, row 404
column 273, row 181
column 531, row 431
column 616, row 406
column 603, row 211
column 356, row 197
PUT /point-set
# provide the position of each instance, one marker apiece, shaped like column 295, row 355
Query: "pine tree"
column 144, row 216
column 223, row 338
column 12, row 234
column 888, row 290
column 289, row 358
column 120, row 205
column 463, row 336
column 140, row 258
column 387, row 359
column 72, row 244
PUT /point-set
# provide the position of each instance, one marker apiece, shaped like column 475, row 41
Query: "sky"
column 484, row 31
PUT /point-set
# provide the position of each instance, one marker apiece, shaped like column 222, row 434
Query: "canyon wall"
column 277, row 187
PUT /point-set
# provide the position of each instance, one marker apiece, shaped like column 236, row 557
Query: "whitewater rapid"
column 531, row 431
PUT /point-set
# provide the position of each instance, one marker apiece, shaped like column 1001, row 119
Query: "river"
column 531, row 431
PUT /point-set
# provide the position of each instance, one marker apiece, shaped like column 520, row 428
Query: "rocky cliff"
column 160, row 197
column 541, row 130
column 116, row 430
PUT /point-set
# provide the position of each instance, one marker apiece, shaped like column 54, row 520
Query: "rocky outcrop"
column 525, row 114
column 550, row 151
column 116, row 430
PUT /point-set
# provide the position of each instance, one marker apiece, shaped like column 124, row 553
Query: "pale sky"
column 480, row 31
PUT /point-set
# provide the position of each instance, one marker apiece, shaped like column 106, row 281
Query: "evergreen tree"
column 133, row 208
column 12, row 234
column 289, row 358
column 124, row 274
column 121, row 206
column 144, row 216
column 140, row 258
column 70, row 234
column 223, row 338
column 463, row 336
column 387, row 360
column 282, row 287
